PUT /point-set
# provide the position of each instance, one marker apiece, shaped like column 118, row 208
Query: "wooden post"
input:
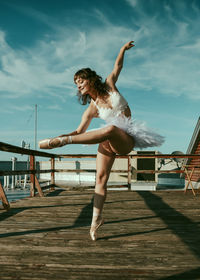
column 53, row 174
column 34, row 181
column 4, row 199
column 129, row 171
column 37, row 184
column 32, row 176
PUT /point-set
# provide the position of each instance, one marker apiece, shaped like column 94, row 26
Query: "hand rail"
column 5, row 147
column 18, row 150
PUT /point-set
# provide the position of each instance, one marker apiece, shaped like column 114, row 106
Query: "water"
column 19, row 165
column 17, row 194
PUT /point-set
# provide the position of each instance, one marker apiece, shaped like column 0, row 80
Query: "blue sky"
column 42, row 44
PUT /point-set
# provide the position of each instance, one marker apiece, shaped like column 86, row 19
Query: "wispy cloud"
column 54, row 107
column 48, row 67
column 30, row 70
column 167, row 56
column 133, row 3
column 164, row 59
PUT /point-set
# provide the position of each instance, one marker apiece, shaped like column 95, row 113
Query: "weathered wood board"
column 146, row 235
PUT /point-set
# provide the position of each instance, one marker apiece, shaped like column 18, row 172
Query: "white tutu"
column 144, row 137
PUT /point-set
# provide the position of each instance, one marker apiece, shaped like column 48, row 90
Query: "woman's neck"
column 95, row 95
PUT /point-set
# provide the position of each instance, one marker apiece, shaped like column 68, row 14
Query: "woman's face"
column 83, row 85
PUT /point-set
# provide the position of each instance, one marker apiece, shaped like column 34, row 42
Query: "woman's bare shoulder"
column 92, row 109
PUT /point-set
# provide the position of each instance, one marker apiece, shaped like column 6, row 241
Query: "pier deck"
column 146, row 235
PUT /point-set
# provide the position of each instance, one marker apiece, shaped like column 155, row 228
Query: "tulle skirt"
column 144, row 137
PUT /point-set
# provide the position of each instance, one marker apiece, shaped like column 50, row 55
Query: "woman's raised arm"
column 112, row 78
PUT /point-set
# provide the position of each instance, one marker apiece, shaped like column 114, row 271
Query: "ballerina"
column 119, row 136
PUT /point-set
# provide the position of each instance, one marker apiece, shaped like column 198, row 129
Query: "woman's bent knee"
column 111, row 129
column 101, row 179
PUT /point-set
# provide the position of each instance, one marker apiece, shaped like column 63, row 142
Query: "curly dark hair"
column 94, row 80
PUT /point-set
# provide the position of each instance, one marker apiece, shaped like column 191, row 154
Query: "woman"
column 119, row 136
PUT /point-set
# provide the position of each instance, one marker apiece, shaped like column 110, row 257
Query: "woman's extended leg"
column 120, row 141
column 104, row 162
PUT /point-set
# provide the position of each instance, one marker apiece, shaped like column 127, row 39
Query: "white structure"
column 138, row 181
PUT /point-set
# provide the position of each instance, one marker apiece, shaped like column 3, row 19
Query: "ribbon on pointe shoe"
column 94, row 228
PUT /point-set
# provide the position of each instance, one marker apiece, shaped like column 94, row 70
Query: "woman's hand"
column 128, row 45
column 72, row 133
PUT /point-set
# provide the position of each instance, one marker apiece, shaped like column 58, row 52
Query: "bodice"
column 118, row 103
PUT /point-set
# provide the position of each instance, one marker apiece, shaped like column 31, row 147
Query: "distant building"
column 194, row 148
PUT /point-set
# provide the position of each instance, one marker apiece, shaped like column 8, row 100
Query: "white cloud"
column 48, row 67
column 194, row 48
column 21, row 108
column 133, row 3
column 164, row 59
column 35, row 70
column 54, row 107
column 167, row 59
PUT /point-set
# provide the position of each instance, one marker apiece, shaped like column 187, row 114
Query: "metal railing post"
column 14, row 159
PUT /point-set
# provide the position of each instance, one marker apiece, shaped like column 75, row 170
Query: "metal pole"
column 35, row 126
column 13, row 169
column 6, row 182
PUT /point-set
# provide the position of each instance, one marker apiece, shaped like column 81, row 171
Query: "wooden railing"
column 35, row 185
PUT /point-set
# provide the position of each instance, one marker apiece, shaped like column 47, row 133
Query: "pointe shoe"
column 94, row 228
column 44, row 144
column 51, row 143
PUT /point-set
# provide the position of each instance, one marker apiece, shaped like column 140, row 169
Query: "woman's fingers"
column 129, row 45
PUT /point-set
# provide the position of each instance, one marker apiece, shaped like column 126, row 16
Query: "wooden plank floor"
column 147, row 235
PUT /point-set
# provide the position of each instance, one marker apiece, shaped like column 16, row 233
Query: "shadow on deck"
column 146, row 235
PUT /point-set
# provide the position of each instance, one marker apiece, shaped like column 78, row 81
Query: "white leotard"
column 118, row 103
